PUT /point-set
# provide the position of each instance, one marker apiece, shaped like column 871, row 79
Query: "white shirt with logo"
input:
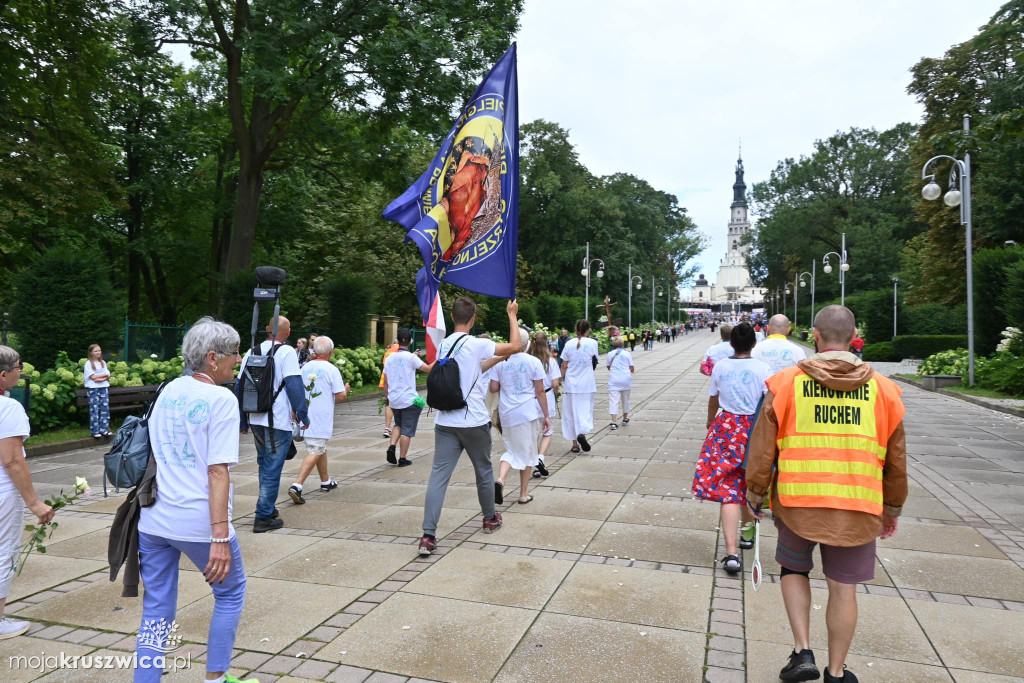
column 579, row 376
column 778, row 352
column 101, row 368
column 286, row 364
column 517, row 402
column 321, row 408
column 739, row 384
column 619, row 376
column 717, row 352
column 193, row 425
column 469, row 354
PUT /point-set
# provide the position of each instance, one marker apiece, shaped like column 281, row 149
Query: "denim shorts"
column 406, row 419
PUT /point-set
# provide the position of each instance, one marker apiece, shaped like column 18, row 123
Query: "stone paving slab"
column 541, row 598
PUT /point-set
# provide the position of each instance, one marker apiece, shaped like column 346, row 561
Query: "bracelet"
column 219, row 540
column 223, row 521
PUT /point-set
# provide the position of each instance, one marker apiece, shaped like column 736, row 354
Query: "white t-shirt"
column 517, row 401
column 321, row 408
column 619, row 376
column 13, row 422
column 471, row 352
column 579, row 376
column 400, row 368
column 286, row 364
column 101, row 367
column 758, row 336
column 778, row 352
column 717, row 352
column 194, row 425
column 552, row 374
column 739, row 384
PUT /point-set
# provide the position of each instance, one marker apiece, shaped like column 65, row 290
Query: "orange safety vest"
column 832, row 443
column 390, row 350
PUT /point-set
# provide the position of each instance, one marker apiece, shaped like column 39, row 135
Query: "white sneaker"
column 10, row 628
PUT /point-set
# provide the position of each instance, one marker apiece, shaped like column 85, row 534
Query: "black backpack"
column 444, row 383
column 257, row 378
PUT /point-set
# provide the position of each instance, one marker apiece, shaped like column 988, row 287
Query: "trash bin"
column 803, row 335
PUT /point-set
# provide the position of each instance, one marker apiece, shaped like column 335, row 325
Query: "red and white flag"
column 435, row 329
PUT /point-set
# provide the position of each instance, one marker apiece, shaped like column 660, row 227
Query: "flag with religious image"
column 463, row 212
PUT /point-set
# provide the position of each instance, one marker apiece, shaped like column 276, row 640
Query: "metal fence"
column 159, row 342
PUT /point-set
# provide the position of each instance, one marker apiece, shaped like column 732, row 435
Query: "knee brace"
column 786, row 572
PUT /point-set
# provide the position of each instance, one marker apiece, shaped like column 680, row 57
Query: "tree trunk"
column 134, row 224
column 247, row 209
column 220, row 228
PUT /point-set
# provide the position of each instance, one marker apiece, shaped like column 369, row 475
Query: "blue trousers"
column 158, row 569
column 99, row 410
column 271, row 462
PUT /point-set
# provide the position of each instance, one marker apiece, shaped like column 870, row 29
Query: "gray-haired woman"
column 193, row 430
column 16, row 490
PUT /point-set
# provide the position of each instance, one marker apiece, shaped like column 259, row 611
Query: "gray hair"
column 725, row 330
column 9, row 359
column 323, row 345
column 617, row 342
column 524, row 338
column 205, row 336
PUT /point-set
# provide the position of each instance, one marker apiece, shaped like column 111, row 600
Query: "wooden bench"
column 122, row 399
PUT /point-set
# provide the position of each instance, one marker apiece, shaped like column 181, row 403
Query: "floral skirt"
column 720, row 474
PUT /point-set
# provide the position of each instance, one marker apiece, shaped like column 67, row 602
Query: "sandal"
column 575, row 449
column 524, row 502
column 732, row 564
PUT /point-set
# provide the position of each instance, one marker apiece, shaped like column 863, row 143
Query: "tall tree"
column 290, row 62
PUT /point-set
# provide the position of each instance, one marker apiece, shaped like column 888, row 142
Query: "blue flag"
column 463, row 212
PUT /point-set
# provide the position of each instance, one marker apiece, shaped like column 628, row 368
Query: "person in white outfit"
column 519, row 383
column 620, row 381
column 579, row 358
column 16, row 490
column 777, row 351
column 541, row 349
column 717, row 352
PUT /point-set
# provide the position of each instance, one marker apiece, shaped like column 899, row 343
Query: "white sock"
column 327, row 481
column 215, row 680
column 298, row 486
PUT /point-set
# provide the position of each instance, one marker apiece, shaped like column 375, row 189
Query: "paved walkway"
column 607, row 575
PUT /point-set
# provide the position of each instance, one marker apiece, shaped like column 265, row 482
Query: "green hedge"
column 924, row 345
column 882, row 352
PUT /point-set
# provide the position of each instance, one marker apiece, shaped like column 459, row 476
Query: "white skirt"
column 521, row 444
column 551, row 413
column 577, row 415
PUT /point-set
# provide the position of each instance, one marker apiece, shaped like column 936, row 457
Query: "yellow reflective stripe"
column 830, row 490
column 786, row 465
column 832, row 442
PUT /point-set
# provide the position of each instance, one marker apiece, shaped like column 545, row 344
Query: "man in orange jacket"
column 830, row 443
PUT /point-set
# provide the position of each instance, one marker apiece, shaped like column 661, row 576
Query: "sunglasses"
column 19, row 366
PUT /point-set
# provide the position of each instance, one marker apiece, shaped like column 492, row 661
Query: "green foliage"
column 949, row 362
column 359, row 366
column 64, row 300
column 350, row 298
column 933, row 319
column 925, row 345
column 991, row 286
column 236, row 304
column 882, row 352
column 1003, row 372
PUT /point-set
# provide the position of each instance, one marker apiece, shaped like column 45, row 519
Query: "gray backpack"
column 126, row 461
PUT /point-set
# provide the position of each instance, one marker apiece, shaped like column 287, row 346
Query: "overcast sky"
column 664, row 89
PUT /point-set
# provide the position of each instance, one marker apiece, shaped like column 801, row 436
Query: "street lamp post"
column 796, row 290
column 587, row 262
column 843, row 267
column 655, row 293
column 895, row 289
column 639, row 282
column 958, row 194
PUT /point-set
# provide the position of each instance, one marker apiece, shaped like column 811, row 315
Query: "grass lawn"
column 68, row 433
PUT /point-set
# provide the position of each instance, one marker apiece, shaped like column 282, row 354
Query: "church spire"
column 739, row 188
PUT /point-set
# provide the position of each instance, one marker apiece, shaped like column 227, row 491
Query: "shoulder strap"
column 455, row 344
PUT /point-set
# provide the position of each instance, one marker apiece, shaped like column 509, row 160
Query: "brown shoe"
column 427, row 545
column 492, row 525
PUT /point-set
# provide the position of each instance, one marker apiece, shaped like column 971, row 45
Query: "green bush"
column 882, row 352
column 1003, row 372
column 350, row 298
column 949, row 362
column 64, row 300
column 933, row 319
column 924, row 345
column 991, row 286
